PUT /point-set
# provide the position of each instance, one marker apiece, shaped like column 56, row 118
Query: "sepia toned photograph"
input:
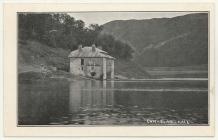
column 112, row 68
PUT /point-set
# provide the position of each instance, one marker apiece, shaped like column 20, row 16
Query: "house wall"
column 108, row 67
column 90, row 65
column 75, row 66
column 93, row 65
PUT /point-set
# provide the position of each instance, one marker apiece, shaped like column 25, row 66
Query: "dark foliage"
column 63, row 31
column 115, row 47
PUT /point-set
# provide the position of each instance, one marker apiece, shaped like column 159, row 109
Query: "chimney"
column 93, row 48
column 80, row 48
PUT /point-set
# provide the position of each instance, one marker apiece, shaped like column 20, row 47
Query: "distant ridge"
column 178, row 41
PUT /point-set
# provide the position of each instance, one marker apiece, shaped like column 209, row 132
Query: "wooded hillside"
column 177, row 41
column 63, row 31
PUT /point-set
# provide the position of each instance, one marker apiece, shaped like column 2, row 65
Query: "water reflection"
column 90, row 102
column 90, row 95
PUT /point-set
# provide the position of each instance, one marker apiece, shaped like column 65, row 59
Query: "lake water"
column 135, row 102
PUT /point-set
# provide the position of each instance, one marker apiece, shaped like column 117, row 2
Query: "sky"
column 104, row 17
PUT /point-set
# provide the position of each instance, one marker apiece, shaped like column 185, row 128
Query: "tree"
column 62, row 30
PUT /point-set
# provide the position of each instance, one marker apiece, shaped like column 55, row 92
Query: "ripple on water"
column 133, row 115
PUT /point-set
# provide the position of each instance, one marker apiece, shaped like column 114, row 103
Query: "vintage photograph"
column 113, row 68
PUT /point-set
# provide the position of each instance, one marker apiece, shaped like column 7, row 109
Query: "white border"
column 10, row 74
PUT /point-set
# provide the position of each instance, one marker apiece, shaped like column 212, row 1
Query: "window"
column 93, row 67
column 82, row 61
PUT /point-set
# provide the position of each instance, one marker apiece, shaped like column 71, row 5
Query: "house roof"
column 87, row 52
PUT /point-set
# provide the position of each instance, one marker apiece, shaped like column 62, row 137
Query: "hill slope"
column 174, row 41
column 31, row 54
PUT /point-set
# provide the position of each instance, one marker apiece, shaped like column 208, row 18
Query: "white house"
column 92, row 62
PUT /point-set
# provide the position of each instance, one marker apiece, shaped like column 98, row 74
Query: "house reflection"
column 91, row 95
